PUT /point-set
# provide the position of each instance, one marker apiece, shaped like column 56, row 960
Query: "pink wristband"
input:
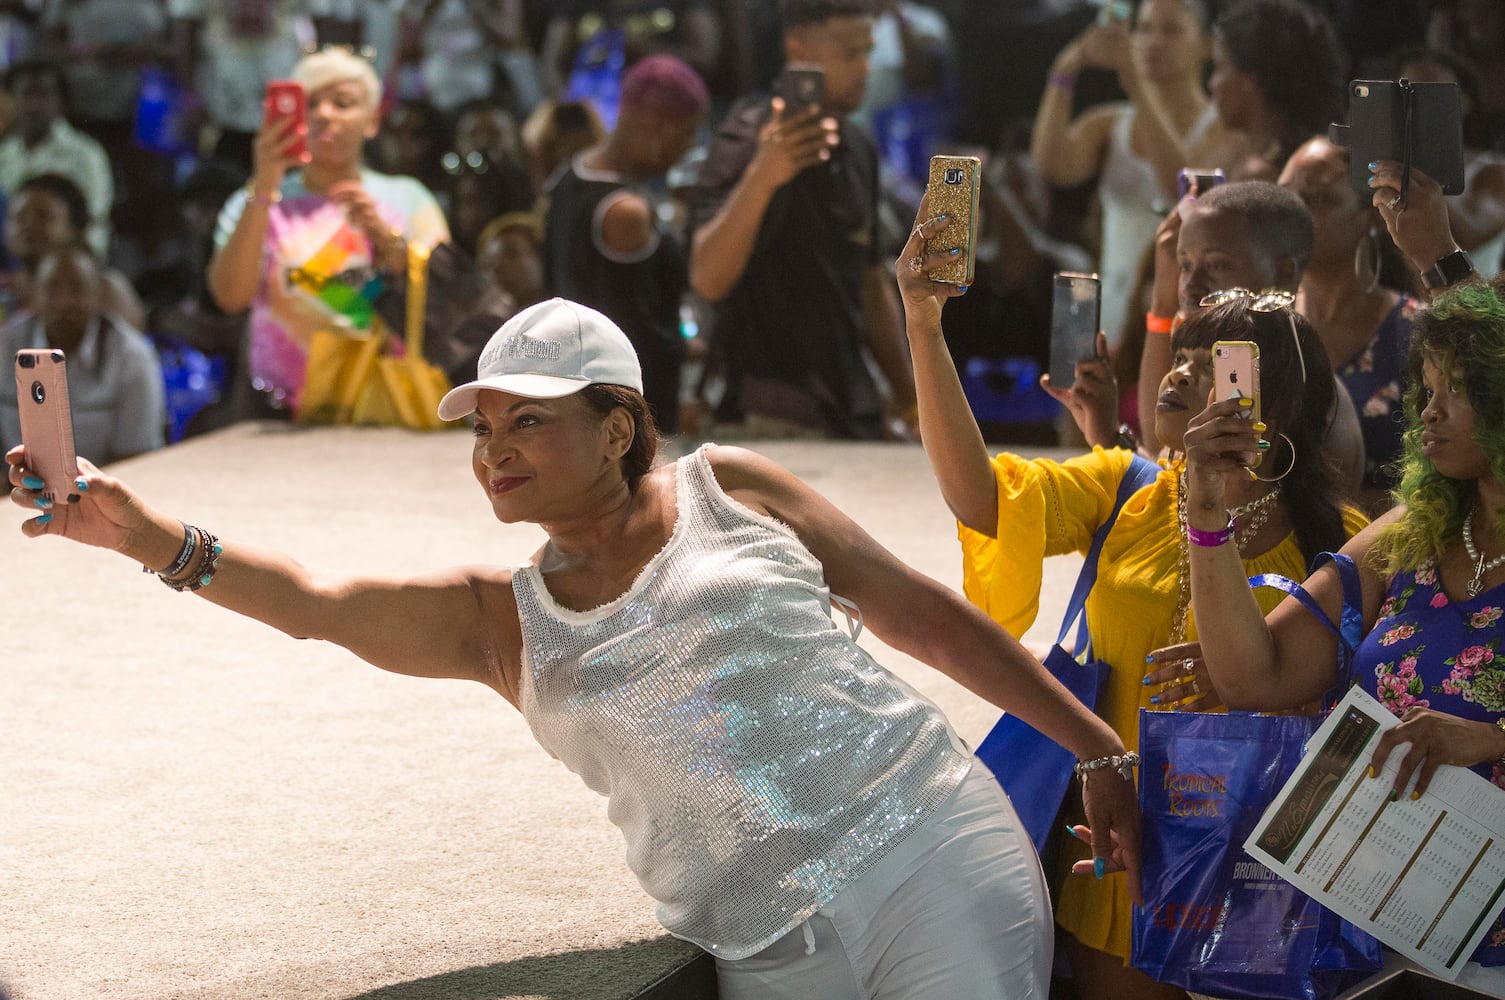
column 1211, row 539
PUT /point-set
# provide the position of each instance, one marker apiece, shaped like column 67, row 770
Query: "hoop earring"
column 1292, row 446
column 1366, row 265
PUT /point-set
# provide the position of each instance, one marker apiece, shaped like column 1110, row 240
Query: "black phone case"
column 1377, row 130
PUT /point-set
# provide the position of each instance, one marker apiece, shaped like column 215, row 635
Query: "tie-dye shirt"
column 316, row 271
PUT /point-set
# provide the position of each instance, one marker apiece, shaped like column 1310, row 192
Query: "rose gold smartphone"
column 47, row 422
column 1235, row 373
column 954, row 188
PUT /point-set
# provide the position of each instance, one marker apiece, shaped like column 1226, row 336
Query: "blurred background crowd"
column 132, row 156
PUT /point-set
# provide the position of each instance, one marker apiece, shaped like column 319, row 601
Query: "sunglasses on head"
column 1268, row 300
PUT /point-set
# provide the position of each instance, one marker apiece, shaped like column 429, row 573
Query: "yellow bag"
column 353, row 380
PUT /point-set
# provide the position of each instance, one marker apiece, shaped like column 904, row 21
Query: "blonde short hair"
column 336, row 65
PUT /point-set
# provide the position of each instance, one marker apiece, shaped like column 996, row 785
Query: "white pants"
column 958, row 911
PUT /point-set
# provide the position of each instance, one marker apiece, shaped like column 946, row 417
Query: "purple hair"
column 664, row 83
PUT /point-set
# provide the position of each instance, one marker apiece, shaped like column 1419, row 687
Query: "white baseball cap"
column 546, row 351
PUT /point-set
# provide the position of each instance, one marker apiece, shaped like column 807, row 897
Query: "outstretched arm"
column 919, row 616
column 953, row 442
column 429, row 626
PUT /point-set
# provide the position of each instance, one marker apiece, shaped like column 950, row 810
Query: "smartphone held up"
column 1235, row 375
column 1076, row 301
column 47, row 422
column 286, row 102
column 954, row 191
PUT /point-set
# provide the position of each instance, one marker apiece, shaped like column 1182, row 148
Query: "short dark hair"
column 799, row 13
column 602, row 399
column 21, row 69
column 1293, row 53
column 64, row 190
column 1278, row 219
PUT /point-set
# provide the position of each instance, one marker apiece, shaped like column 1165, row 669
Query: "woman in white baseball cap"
column 793, row 807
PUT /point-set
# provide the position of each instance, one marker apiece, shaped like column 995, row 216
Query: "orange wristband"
column 1158, row 324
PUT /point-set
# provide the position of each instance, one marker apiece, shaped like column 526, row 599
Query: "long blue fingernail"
column 82, row 484
column 32, row 482
column 44, row 518
column 1374, row 165
column 42, row 502
column 1099, row 867
column 1072, row 831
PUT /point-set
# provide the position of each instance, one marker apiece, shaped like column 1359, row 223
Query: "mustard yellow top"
column 1048, row 508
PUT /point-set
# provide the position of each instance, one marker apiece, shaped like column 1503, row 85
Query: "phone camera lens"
column 38, row 392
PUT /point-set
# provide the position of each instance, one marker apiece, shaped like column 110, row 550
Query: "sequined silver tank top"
column 755, row 758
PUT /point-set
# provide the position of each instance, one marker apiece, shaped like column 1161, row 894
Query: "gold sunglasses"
column 1266, row 301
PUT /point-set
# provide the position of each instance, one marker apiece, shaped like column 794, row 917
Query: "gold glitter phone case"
column 953, row 187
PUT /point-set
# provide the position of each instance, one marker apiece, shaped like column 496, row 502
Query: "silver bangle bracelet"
column 1123, row 763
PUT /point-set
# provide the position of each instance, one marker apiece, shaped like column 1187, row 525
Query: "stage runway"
column 197, row 806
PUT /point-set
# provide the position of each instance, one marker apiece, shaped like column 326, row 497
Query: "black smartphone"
column 1073, row 324
column 1196, row 181
column 1378, row 130
column 802, row 86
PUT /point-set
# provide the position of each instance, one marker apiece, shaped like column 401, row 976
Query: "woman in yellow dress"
column 1013, row 512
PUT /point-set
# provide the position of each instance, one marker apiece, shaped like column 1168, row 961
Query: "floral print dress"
column 1425, row 649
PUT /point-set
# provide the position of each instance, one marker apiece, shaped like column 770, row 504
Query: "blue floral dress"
column 1427, row 650
column 1375, row 378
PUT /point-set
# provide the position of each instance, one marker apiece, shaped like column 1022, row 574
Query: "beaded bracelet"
column 270, row 198
column 1123, row 763
column 203, row 573
column 1211, row 539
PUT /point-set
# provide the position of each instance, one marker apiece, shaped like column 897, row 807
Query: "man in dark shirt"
column 785, row 244
column 605, row 243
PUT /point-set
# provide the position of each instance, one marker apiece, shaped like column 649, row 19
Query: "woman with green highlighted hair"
column 1432, row 570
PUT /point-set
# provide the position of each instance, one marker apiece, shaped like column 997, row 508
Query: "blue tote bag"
column 1215, row 920
column 1034, row 770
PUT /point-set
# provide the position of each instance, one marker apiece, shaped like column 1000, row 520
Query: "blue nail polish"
column 1099, row 867
column 44, row 518
column 962, row 289
column 42, row 503
column 1154, row 699
column 942, row 217
column 954, row 251
column 1374, row 165
column 83, row 485
column 32, row 482
column 1072, row 831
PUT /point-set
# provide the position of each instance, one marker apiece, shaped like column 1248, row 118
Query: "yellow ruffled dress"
column 1051, row 508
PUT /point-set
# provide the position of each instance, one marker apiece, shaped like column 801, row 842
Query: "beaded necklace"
column 1245, row 529
column 1480, row 566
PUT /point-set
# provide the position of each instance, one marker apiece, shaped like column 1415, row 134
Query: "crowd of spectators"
column 132, row 127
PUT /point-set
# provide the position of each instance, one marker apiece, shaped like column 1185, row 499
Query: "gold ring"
column 917, row 264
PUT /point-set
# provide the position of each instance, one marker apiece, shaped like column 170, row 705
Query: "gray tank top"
column 754, row 756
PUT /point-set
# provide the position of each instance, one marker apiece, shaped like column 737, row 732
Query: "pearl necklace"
column 1480, row 566
column 1243, row 533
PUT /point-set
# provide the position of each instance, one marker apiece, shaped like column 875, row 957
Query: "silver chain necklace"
column 1476, row 557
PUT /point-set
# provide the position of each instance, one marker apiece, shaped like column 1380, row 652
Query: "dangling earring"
column 1275, row 479
column 1366, row 261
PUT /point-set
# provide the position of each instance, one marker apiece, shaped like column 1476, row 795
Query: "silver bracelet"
column 1123, row 763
